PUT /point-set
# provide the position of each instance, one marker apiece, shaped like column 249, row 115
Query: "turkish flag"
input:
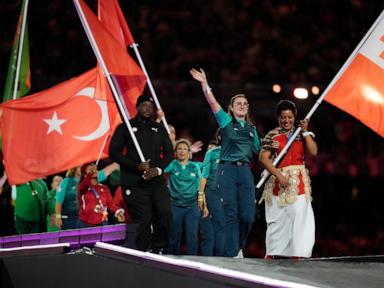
column 360, row 89
column 126, row 72
column 57, row 129
column 110, row 14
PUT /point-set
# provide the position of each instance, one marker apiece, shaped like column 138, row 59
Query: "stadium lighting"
column 276, row 88
column 315, row 90
column 300, row 93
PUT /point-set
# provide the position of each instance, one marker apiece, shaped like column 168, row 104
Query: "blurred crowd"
column 245, row 46
column 237, row 41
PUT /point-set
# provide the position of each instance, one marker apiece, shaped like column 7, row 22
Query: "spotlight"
column 315, row 90
column 300, row 93
column 276, row 88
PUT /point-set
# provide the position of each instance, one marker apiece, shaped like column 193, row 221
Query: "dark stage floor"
column 321, row 272
column 113, row 266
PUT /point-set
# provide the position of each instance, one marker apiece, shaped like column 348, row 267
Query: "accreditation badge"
column 97, row 209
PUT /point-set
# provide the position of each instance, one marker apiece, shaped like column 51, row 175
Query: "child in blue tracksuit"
column 183, row 183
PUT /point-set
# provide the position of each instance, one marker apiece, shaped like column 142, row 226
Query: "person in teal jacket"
column 67, row 205
column 212, row 227
column 239, row 141
column 183, row 183
column 31, row 208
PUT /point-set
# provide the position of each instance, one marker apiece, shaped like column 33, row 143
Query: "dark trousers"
column 70, row 222
column 207, row 236
column 235, row 184
column 217, row 213
column 187, row 219
column 150, row 207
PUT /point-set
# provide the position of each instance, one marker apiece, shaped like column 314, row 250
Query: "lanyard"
column 97, row 196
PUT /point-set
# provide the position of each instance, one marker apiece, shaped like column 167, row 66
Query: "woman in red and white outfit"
column 287, row 193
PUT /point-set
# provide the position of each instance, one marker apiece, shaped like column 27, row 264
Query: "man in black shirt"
column 143, row 184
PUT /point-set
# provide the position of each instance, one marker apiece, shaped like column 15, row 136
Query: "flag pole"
column 265, row 174
column 20, row 49
column 149, row 82
column 18, row 63
column 102, row 148
column 123, row 111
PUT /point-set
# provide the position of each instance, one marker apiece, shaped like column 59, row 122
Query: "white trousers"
column 290, row 229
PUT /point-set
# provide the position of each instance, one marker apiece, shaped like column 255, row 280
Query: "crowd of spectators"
column 237, row 41
column 245, row 46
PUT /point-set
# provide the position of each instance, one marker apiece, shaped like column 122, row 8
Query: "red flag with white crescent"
column 56, row 129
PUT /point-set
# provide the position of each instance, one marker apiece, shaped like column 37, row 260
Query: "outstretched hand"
column 196, row 146
column 199, row 76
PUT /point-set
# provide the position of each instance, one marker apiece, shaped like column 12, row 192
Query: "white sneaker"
column 240, row 254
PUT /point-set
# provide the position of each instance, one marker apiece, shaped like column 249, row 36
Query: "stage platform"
column 108, row 265
column 75, row 237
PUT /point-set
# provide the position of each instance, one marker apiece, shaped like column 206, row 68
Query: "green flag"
column 24, row 84
column 24, row 81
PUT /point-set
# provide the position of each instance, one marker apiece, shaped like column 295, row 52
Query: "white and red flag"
column 359, row 90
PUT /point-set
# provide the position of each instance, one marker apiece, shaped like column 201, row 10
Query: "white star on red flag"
column 55, row 124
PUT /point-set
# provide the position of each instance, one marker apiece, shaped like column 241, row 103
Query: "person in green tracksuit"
column 183, row 183
column 239, row 141
column 212, row 227
column 31, row 207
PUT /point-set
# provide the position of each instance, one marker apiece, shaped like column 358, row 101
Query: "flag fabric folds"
column 24, row 74
column 54, row 130
column 360, row 89
column 110, row 14
column 65, row 126
column 117, row 60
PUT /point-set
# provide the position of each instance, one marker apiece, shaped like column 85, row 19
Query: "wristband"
column 206, row 89
column 200, row 193
column 308, row 133
column 159, row 171
column 58, row 216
